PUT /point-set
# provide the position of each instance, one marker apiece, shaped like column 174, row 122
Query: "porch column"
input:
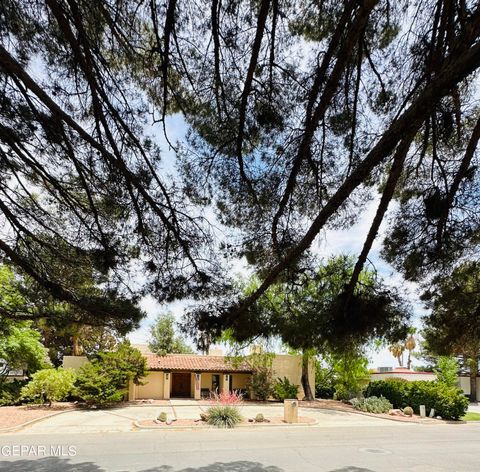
column 167, row 378
column 198, row 385
column 224, row 382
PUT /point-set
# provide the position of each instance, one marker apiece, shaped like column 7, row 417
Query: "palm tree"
column 410, row 344
column 397, row 352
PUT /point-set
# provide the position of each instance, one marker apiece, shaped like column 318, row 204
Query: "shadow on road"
column 56, row 464
column 352, row 469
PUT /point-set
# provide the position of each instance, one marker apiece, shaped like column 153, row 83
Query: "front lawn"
column 471, row 416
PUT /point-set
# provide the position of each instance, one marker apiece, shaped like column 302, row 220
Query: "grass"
column 471, row 416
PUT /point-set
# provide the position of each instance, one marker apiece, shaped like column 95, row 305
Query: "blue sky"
column 331, row 242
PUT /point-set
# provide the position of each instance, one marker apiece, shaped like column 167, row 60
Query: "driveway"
column 122, row 419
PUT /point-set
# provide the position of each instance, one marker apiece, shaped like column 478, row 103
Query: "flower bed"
column 187, row 423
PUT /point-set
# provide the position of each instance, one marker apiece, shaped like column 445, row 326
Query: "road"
column 392, row 447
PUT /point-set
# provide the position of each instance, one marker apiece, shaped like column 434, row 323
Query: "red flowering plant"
column 233, row 398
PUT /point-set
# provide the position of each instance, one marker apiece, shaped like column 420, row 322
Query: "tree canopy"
column 453, row 326
column 164, row 340
column 297, row 115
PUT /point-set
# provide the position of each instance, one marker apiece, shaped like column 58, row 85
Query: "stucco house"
column 196, row 376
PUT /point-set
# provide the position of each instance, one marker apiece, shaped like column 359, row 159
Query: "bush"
column 324, row 381
column 49, row 385
column 261, row 383
column 162, row 417
column 393, row 389
column 449, row 402
column 408, row 410
column 10, row 392
column 227, row 398
column 95, row 384
column 372, row 404
column 447, row 372
column 259, row 418
column 284, row 389
column 105, row 379
column 224, row 416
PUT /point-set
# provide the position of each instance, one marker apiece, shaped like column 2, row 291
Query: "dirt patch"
column 11, row 416
column 197, row 423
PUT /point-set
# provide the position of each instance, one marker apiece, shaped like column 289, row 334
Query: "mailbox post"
column 290, row 411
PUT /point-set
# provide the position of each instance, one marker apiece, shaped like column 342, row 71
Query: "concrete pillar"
column 423, row 412
column 290, row 411
column 224, row 382
column 167, row 378
column 198, row 386
column 132, row 391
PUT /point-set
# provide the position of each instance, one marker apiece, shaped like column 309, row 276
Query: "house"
column 196, row 376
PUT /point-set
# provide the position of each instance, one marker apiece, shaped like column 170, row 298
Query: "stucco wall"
column 74, row 362
column 291, row 367
column 153, row 387
column 206, row 380
column 464, row 382
column 240, row 381
column 404, row 375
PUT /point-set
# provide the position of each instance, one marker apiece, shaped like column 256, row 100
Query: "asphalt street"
column 388, row 447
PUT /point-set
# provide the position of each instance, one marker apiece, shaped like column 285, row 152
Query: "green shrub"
column 224, row 416
column 49, row 385
column 408, row 410
column 284, row 389
column 447, row 372
column 162, row 417
column 95, row 384
column 105, row 379
column 324, row 381
column 261, row 383
column 10, row 392
column 393, row 389
column 372, row 404
column 448, row 402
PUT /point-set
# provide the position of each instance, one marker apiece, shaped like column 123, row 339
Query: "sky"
column 331, row 242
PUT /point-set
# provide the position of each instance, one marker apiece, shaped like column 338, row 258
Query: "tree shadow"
column 352, row 468
column 57, row 464
column 236, row 466
column 48, row 464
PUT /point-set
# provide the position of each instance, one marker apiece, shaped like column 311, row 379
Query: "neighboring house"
column 197, row 376
column 383, row 373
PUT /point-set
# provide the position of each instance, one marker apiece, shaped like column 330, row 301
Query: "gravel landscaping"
column 189, row 423
column 11, row 416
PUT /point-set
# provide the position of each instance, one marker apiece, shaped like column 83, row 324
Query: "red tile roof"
column 194, row 363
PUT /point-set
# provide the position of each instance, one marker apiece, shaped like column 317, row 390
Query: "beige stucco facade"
column 157, row 385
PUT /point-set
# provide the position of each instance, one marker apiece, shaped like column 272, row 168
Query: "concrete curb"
column 390, row 417
column 36, row 420
column 203, row 427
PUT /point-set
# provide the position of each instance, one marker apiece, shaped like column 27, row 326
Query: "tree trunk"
column 76, row 348
column 305, row 378
column 473, row 363
column 409, row 360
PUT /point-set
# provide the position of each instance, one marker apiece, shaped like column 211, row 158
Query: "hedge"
column 448, row 402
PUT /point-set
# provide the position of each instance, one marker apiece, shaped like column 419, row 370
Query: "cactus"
column 408, row 410
column 162, row 417
column 259, row 418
